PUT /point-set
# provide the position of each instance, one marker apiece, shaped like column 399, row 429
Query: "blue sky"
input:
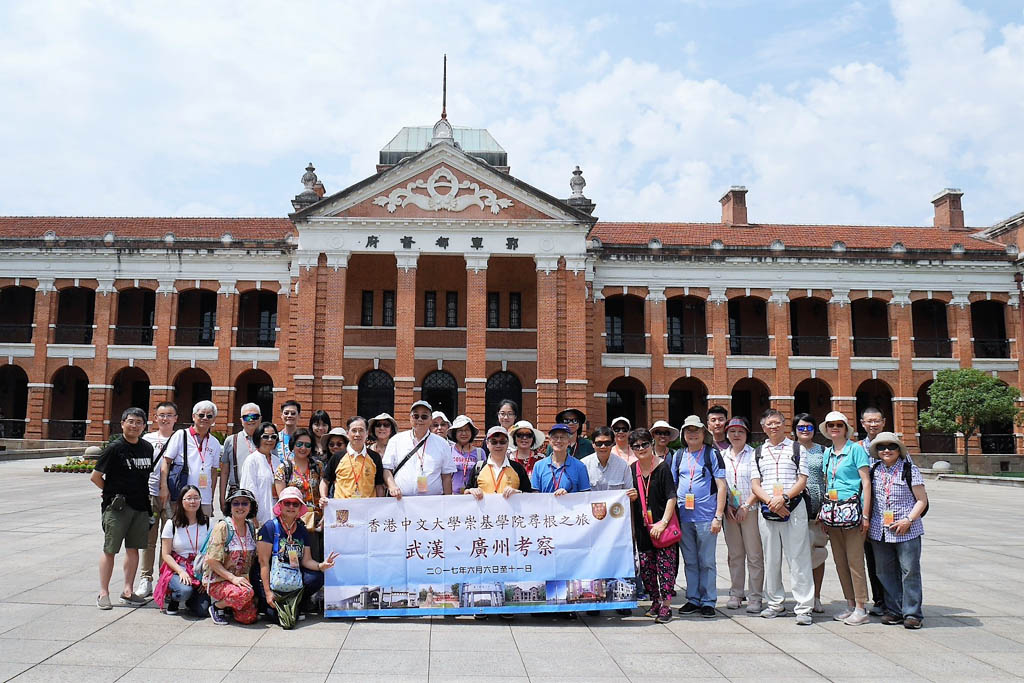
column 829, row 112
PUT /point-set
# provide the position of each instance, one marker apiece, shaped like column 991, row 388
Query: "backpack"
column 906, row 480
column 708, row 467
column 796, row 462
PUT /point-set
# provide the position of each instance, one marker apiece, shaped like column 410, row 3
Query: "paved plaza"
column 51, row 630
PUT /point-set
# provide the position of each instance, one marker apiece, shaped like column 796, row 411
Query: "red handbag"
column 671, row 534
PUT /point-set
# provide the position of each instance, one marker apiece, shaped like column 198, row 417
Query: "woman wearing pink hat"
column 289, row 575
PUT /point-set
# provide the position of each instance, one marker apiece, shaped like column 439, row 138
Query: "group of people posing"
column 785, row 498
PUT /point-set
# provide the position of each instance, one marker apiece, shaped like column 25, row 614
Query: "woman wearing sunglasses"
column 257, row 473
column 813, row 454
column 289, row 576
column 304, row 472
column 229, row 558
column 579, row 446
column 621, row 429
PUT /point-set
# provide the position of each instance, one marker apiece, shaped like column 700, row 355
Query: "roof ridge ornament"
column 309, row 195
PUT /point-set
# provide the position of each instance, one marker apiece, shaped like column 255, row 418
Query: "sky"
column 828, row 112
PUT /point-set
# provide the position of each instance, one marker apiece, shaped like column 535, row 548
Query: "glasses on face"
column 303, row 444
column 498, row 442
column 166, row 416
column 524, row 435
column 641, row 445
column 290, row 503
column 191, row 499
column 239, row 502
column 661, row 432
column 253, row 417
column 620, row 430
column 835, row 425
column 205, row 416
column 506, row 414
column 772, row 425
column 805, row 428
column 571, row 421
column 269, row 437
column 289, row 413
column 335, row 445
column 887, row 447
column 420, row 416
column 602, row 444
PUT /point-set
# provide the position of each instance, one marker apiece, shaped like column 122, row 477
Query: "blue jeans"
column 197, row 601
column 698, row 549
column 899, row 569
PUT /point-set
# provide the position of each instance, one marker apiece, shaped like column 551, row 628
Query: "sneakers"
column 734, row 602
column 754, row 607
column 844, row 615
column 708, row 612
column 218, row 616
column 818, row 608
column 769, row 613
column 480, row 617
column 145, row 588
column 133, row 600
column 857, row 618
column 804, row 619
column 689, row 609
column 171, row 607
column 876, row 609
column 664, row 615
column 653, row 611
column 103, row 602
column 891, row 619
column 912, row 623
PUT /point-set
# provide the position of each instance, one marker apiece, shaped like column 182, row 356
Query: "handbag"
column 177, row 475
column 841, row 514
column 284, row 578
column 672, row 534
column 770, row 516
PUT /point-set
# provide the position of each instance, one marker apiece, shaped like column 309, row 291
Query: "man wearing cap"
column 579, row 447
column 559, row 473
column 440, row 424
column 418, row 462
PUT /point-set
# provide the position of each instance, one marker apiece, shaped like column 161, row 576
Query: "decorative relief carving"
column 434, row 200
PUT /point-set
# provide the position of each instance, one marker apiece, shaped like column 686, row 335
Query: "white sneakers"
column 145, row 588
column 804, row 619
column 844, row 615
column 734, row 602
column 754, row 607
column 770, row 613
column 857, row 618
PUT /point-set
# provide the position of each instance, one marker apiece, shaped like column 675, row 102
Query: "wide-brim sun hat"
column 559, row 418
column 290, row 493
column 836, row 416
column 661, row 424
column 886, row 437
column 383, row 417
column 526, row 425
column 694, row 421
column 460, row 422
column 338, row 431
column 438, row 414
column 248, row 495
column 621, row 419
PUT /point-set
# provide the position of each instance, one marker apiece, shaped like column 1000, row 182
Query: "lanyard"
column 644, row 484
column 777, row 459
column 890, row 478
column 835, row 470
column 464, row 457
column 194, row 544
column 693, row 466
column 497, row 482
column 561, row 471
column 200, row 445
column 737, row 461
column 357, row 468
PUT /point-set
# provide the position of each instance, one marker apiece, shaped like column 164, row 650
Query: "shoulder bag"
column 284, row 578
column 672, row 533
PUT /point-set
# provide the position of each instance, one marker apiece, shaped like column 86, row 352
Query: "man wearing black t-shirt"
column 122, row 474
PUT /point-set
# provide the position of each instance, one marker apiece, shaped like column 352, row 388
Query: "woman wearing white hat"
column 846, row 513
column 464, row 453
column 664, row 434
column 525, row 441
column 380, row 429
column 621, row 428
column 440, row 424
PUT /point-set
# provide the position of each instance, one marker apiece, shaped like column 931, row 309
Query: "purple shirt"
column 464, row 463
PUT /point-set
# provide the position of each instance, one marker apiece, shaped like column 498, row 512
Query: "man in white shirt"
column 607, row 471
column 423, row 460
column 779, row 483
column 237, row 448
column 166, row 416
column 203, row 452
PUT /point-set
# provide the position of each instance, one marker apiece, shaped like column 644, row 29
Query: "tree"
column 964, row 400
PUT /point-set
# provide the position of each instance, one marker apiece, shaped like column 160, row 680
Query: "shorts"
column 129, row 526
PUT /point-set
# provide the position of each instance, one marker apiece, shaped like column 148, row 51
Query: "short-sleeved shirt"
column 185, row 540
column 528, row 463
column 776, row 466
column 201, row 464
column 157, row 440
column 813, row 457
column 571, row 476
column 658, row 490
column 491, row 478
column 464, row 464
column 842, row 470
column 579, row 450
column 614, row 475
column 432, row 460
column 891, row 492
column 236, row 554
column 737, row 474
column 355, row 475
column 126, row 467
column 237, row 447
column 695, row 478
column 298, row 540
column 308, row 482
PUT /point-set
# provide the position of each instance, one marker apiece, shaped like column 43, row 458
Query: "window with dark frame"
column 515, row 310
column 493, row 302
column 452, row 310
column 389, row 308
column 367, row 318
column 430, row 309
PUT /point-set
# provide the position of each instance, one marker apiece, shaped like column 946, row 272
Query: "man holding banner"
column 418, row 462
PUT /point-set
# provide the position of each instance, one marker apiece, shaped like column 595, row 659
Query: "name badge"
column 833, row 494
column 204, row 482
column 777, row 489
column 735, row 493
column 887, row 517
column 691, row 501
column 293, row 557
column 421, row 484
column 650, row 517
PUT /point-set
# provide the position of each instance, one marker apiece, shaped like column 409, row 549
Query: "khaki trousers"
column 150, row 554
column 746, row 557
column 848, row 553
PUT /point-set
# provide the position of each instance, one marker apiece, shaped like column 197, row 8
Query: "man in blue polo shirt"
column 558, row 473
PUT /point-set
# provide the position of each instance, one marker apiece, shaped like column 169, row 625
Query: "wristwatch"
column 718, row 517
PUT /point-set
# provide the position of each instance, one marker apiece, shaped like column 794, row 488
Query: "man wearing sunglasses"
column 203, row 452
column 237, row 448
column 418, row 462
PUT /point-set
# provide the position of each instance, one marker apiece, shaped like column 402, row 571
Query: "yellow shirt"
column 356, row 476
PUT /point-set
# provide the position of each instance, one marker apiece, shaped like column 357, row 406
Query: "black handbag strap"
column 163, row 449
column 410, row 454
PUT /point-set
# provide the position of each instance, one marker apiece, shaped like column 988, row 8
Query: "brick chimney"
column 734, row 206
column 948, row 212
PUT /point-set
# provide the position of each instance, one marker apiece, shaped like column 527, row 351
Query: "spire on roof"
column 443, row 131
column 444, row 89
column 576, row 199
column 309, row 195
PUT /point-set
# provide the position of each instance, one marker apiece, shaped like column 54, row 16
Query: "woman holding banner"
column 654, row 509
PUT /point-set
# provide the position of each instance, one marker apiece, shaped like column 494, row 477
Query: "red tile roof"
column 34, row 227
column 792, row 236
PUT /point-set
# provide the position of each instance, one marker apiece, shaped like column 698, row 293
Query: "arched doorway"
column 253, row 386
column 627, row 398
column 190, row 387
column 500, row 386
column 687, row 396
column 932, row 441
column 69, row 404
column 997, row 437
column 376, row 394
column 750, row 398
column 812, row 396
column 874, row 393
column 13, row 401
column 441, row 391
column 130, row 389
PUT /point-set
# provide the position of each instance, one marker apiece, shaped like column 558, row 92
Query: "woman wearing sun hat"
column 663, row 434
column 289, row 575
column 621, row 427
column 464, row 453
column 230, row 554
column 525, row 441
column 847, row 485
column 380, row 429
column 575, row 420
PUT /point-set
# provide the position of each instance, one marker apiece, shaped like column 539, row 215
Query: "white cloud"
column 663, row 28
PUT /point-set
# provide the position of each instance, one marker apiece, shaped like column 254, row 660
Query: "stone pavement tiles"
column 50, row 629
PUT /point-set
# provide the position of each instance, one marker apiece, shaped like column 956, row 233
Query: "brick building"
column 442, row 276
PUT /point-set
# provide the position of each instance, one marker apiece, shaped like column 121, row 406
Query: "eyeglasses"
column 268, row 437
column 772, row 425
column 498, row 442
column 835, row 425
column 620, row 430
column 805, row 428
column 641, row 445
column 505, row 414
column 420, row 416
column 251, row 418
column 239, row 502
column 191, row 499
column 523, row 435
column 887, row 447
column 571, row 421
column 290, row 503
column 303, row 444
column 661, row 432
column 205, row 416
column 289, row 413
column 602, row 444
column 335, row 444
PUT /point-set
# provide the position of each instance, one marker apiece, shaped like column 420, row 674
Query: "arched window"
column 441, row 391
column 376, row 394
column 500, row 386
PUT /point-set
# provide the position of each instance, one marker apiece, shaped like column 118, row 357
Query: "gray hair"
column 250, row 406
column 205, row 406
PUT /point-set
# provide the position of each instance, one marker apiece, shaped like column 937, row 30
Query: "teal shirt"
column 842, row 469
